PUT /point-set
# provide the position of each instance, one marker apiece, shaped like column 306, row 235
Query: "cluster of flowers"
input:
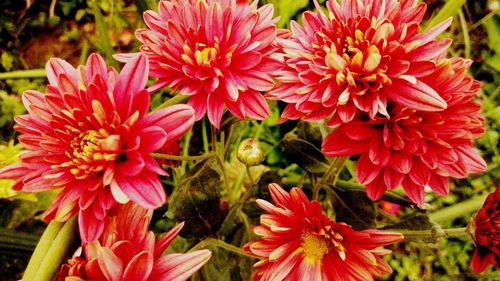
column 386, row 88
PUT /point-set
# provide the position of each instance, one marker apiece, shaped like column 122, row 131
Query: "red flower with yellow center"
column 91, row 135
column 300, row 243
column 357, row 59
column 417, row 149
column 220, row 53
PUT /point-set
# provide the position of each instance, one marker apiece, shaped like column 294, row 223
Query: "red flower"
column 90, row 135
column 217, row 52
column 128, row 251
column 417, row 149
column 300, row 243
column 485, row 228
column 357, row 59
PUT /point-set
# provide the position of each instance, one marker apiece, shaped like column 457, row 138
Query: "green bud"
column 250, row 153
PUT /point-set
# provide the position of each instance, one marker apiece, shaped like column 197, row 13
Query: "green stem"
column 204, row 134
column 172, row 101
column 463, row 25
column 249, row 174
column 41, row 249
column 57, row 251
column 185, row 149
column 103, row 33
column 223, row 245
column 458, row 210
column 182, row 158
column 331, row 174
column 18, row 74
column 434, row 233
column 213, row 133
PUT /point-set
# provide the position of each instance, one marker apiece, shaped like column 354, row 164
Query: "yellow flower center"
column 205, row 56
column 314, row 247
column 91, row 150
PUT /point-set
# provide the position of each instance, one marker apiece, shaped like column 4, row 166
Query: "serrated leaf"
column 354, row 208
column 304, row 154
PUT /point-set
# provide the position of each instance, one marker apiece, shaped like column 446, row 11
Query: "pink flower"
column 390, row 208
column 417, row 149
column 485, row 229
column 91, row 136
column 217, row 52
column 300, row 243
column 361, row 56
column 127, row 251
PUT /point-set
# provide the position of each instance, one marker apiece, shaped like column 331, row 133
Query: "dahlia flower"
column 91, row 136
column 127, row 251
column 217, row 52
column 357, row 59
column 417, row 149
column 485, row 229
column 300, row 243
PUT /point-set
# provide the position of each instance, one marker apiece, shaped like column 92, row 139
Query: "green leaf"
column 287, row 9
column 196, row 201
column 304, row 154
column 354, row 208
column 450, row 9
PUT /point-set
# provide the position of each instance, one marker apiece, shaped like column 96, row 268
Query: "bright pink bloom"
column 127, row 251
column 217, row 52
column 417, row 149
column 390, row 208
column 90, row 135
column 357, row 59
column 300, row 243
column 485, row 227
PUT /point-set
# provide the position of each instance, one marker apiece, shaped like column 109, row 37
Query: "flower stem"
column 223, row 245
column 249, row 174
column 18, row 74
column 331, row 174
column 182, row 157
column 185, row 149
column 41, row 249
column 172, row 101
column 458, row 210
column 433, row 233
column 204, row 134
column 57, row 251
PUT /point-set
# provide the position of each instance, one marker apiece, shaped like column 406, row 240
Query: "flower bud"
column 250, row 153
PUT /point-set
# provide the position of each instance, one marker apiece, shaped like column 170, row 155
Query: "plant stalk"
column 18, row 74
column 182, row 157
column 57, row 251
column 458, row 210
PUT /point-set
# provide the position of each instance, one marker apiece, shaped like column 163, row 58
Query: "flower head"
column 485, row 230
column 91, row 135
column 417, row 149
column 357, row 59
column 217, row 52
column 300, row 243
column 127, row 251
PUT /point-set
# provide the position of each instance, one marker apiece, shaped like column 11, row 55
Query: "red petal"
column 256, row 106
column 178, row 267
column 139, row 268
column 145, row 190
column 163, row 243
column 215, row 108
column 417, row 96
